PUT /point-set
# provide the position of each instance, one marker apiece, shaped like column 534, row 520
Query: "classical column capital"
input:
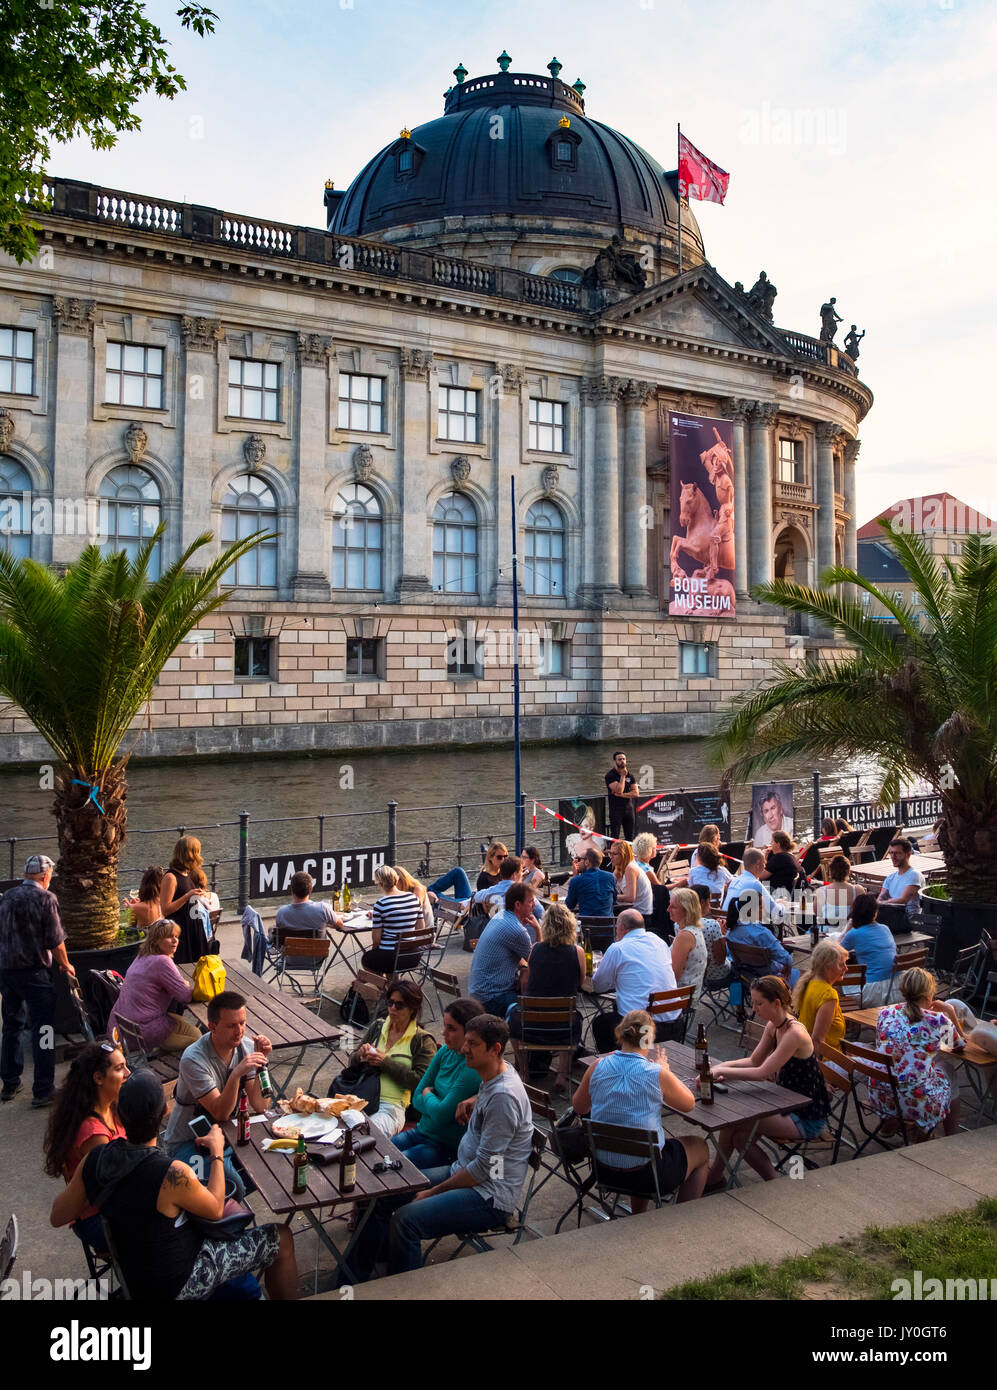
column 200, row 334
column 415, row 362
column 313, row 349
column 737, row 409
column 74, row 316
column 764, row 413
column 827, row 431
column 852, row 447
column 513, row 376
column 602, row 390
column 638, row 393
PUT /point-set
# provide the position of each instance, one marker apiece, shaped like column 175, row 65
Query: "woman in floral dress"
column 914, row 1032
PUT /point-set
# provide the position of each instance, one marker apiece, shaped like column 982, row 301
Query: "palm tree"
column 919, row 694
column 80, row 654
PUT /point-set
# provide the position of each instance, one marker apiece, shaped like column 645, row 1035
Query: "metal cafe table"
column 746, row 1102
column 280, row 1017
column 273, row 1173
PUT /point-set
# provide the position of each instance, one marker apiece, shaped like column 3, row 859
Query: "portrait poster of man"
column 701, row 556
column 590, row 814
column 771, row 810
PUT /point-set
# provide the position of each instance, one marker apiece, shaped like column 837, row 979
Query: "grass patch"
column 958, row 1246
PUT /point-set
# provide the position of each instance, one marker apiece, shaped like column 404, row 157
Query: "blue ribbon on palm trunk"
column 93, row 793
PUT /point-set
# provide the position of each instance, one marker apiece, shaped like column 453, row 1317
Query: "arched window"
column 129, row 509
column 15, row 509
column 544, row 550
column 248, row 506
column 455, row 545
column 570, row 274
column 356, row 539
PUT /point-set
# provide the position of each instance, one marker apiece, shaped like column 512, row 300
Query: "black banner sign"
column 862, row 815
column 920, row 810
column 676, row 818
column 270, row 876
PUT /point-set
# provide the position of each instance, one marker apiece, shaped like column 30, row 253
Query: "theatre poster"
column 701, row 554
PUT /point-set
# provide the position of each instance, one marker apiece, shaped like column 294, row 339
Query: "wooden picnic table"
column 745, row 1103
column 904, row 939
column 280, row 1017
column 273, row 1174
column 876, row 873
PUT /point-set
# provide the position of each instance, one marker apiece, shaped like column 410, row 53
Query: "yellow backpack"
column 209, row 978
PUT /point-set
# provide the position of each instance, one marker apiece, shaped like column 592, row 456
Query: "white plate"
column 311, row 1126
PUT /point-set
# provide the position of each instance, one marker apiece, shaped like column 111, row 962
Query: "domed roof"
column 512, row 146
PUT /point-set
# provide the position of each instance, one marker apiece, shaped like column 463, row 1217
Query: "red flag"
column 699, row 177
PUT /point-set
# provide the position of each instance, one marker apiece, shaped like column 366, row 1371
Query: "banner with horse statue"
column 701, row 561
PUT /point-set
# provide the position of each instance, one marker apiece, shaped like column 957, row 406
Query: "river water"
column 206, row 796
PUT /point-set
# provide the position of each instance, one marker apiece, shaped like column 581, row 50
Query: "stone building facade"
column 368, row 395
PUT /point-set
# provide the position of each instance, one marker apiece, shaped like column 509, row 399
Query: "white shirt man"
column 637, row 965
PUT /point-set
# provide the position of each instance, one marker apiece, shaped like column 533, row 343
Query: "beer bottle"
column 242, row 1118
column 702, row 1050
column 589, row 963
column 348, row 1165
column 706, row 1085
column 815, row 934
column 266, row 1086
column 347, row 897
column 335, row 899
column 300, row 1168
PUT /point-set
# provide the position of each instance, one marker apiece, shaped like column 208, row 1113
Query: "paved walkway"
column 638, row 1257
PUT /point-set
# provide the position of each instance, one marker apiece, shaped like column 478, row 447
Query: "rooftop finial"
column 460, row 72
column 578, row 86
column 554, row 67
column 564, row 123
column 405, row 133
column 503, row 61
column 329, row 183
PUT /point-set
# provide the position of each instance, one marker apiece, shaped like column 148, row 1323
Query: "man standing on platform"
column 623, row 788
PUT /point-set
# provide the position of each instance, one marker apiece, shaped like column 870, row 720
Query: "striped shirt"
column 626, row 1090
column 396, row 914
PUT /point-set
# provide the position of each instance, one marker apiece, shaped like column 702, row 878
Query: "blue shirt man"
column 592, row 893
column 502, row 950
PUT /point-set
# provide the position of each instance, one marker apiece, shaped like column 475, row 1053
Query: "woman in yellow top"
column 400, row 1050
column 815, row 999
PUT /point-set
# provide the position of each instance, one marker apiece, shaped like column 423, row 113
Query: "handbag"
column 208, row 979
column 235, row 1219
column 364, row 1082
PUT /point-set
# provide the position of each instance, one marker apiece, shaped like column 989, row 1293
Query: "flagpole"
column 678, row 184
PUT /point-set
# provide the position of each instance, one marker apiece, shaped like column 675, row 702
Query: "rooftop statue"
column 829, row 320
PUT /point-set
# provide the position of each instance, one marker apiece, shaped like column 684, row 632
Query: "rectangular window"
column 791, row 461
column 254, row 658
column 547, row 425
column 458, row 414
column 17, row 361
column 462, row 651
column 134, row 375
column 555, row 659
column 363, row 656
column 697, row 658
column 253, row 389
column 361, row 403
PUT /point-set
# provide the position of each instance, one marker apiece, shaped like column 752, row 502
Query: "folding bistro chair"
column 601, row 931
column 8, row 1248
column 447, row 986
column 569, row 1162
column 138, row 1054
column 415, row 943
column 611, row 1183
column 447, row 917
column 869, row 1064
column 749, row 963
column 861, row 847
column 838, row 1080
column 853, row 978
column 257, row 943
column 990, row 979
column 545, row 1014
column 666, row 1001
column 516, row 1225
column 907, row 960
column 962, row 979
column 303, row 954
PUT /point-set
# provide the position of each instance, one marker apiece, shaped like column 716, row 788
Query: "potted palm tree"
column 918, row 694
column 80, row 655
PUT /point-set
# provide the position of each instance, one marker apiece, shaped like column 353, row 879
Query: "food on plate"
column 303, row 1104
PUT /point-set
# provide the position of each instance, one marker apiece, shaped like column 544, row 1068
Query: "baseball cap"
column 38, row 864
column 140, row 1101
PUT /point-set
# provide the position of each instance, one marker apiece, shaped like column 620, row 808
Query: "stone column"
column 507, row 428
column 739, row 410
column 416, row 578
column 761, row 559
column 604, row 391
column 588, row 507
column 851, row 542
column 200, row 338
column 73, row 319
column 826, row 432
column 635, row 399
column 313, row 560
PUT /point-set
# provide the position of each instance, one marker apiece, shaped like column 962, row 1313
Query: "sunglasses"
column 397, row 1004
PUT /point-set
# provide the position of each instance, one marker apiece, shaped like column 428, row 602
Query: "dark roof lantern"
column 562, row 146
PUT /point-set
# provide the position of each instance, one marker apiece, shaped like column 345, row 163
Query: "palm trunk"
column 968, row 840
column 90, row 840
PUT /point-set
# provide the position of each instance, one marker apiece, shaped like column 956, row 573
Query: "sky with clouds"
column 859, row 134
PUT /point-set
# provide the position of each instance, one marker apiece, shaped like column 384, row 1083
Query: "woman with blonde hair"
column 633, row 884
column 690, row 956
column 153, row 987
column 178, row 891
column 557, row 969
column 489, row 875
column 627, row 1087
column 645, row 848
column 914, row 1033
column 408, row 884
column 395, row 915
column 815, row 999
